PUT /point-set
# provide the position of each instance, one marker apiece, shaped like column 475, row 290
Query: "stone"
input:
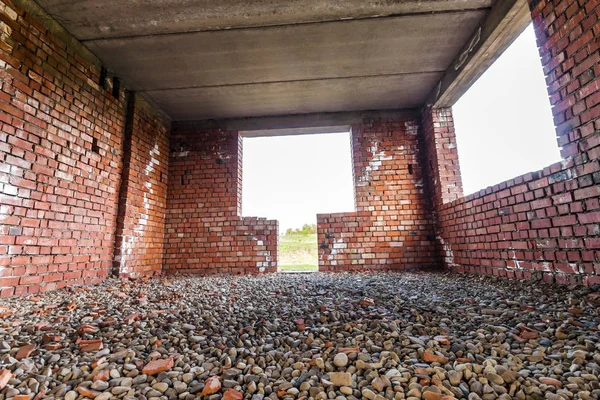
column 340, row 378
column 368, row 394
column 346, row 390
column 378, row 384
column 340, row 360
column 161, row 386
column 454, row 377
column 71, row 395
column 399, row 348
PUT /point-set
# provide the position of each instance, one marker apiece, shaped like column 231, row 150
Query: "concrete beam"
column 505, row 22
column 295, row 131
column 97, row 19
column 291, row 124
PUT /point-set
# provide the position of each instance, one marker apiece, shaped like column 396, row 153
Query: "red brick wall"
column 60, row 161
column 204, row 231
column 544, row 224
column 62, row 138
column 143, row 194
column 567, row 33
column 441, row 155
column 392, row 227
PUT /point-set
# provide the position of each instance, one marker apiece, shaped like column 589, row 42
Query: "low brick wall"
column 204, row 231
column 393, row 225
column 544, row 224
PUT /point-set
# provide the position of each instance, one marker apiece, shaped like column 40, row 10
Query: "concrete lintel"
column 505, row 22
column 292, row 124
column 295, row 131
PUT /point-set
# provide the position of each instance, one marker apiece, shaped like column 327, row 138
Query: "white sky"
column 504, row 126
column 504, row 129
column 293, row 178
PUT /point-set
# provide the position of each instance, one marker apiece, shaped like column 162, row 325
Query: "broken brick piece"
column 25, row 351
column 430, row 357
column 103, row 375
column 529, row 335
column 99, row 361
column 47, row 338
column 211, row 386
column 108, row 322
column 40, row 326
column 232, row 394
column 131, row 318
column 551, row 381
column 5, row 376
column 87, row 392
column 90, row 345
column 367, row 302
column 86, row 328
column 441, row 339
column 156, row 366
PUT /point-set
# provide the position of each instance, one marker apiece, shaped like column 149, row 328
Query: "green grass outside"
column 298, row 253
column 298, row 267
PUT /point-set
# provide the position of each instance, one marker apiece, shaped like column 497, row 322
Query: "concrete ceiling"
column 200, row 59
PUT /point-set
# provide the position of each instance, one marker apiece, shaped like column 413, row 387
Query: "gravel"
column 322, row 336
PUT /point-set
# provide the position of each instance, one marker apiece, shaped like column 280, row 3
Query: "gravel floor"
column 374, row 336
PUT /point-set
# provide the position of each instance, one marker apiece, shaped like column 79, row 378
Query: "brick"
column 48, row 149
column 208, row 168
column 390, row 145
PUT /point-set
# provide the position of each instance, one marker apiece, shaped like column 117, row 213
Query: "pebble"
column 405, row 336
column 340, row 360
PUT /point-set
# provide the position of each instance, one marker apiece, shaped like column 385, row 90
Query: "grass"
column 298, row 267
column 298, row 253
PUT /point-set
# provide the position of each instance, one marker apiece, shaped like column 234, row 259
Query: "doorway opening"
column 292, row 178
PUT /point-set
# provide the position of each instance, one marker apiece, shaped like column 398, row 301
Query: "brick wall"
column 441, row 155
column 140, row 236
column 204, row 231
column 567, row 34
column 544, row 224
column 60, row 161
column 392, row 227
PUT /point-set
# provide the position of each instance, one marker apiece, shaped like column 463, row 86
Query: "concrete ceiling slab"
column 303, row 97
column 396, row 45
column 93, row 19
column 208, row 59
